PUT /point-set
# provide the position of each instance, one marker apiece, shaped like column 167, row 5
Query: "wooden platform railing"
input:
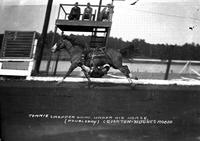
column 64, row 10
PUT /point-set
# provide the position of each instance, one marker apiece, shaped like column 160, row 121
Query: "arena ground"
column 44, row 111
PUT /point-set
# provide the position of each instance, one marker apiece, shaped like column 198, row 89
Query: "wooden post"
column 169, row 62
column 0, row 124
column 56, row 63
column 57, row 59
column 44, row 34
column 167, row 70
column 50, row 57
column 99, row 9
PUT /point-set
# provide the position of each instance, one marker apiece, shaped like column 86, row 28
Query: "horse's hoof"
column 130, row 75
column 90, row 86
column 133, row 85
column 59, row 82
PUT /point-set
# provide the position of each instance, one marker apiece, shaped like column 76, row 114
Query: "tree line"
column 137, row 48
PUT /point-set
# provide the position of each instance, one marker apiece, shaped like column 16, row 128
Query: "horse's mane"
column 75, row 40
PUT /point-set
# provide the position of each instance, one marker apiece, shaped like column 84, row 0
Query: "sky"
column 155, row 21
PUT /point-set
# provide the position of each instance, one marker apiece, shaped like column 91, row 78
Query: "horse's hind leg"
column 86, row 75
column 125, row 70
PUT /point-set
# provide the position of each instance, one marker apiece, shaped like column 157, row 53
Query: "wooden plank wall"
column 17, row 44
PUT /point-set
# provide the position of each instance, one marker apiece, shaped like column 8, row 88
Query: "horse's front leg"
column 71, row 68
column 85, row 71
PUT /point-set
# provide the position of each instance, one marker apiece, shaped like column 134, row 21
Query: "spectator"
column 106, row 13
column 75, row 12
column 87, row 12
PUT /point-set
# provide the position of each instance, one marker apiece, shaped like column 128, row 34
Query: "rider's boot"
column 105, row 68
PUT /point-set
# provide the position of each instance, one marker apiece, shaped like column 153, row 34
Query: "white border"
column 186, row 82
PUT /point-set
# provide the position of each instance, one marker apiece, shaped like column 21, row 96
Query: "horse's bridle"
column 68, row 42
column 64, row 44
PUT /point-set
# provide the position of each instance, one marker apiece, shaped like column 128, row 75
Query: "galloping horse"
column 112, row 57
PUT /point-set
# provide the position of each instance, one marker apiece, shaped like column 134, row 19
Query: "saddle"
column 94, row 54
column 98, row 53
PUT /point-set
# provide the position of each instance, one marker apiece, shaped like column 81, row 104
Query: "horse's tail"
column 123, row 52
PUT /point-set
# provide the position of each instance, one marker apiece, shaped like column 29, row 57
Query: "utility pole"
column 43, row 37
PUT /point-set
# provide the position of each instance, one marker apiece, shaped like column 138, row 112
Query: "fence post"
column 171, row 48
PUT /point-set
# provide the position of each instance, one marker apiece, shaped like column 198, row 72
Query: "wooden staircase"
column 99, row 38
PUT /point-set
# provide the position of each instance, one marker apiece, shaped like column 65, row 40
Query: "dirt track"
column 19, row 99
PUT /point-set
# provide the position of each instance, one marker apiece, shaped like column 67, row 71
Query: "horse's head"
column 61, row 44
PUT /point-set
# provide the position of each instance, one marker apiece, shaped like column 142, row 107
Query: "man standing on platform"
column 87, row 12
column 106, row 13
column 75, row 12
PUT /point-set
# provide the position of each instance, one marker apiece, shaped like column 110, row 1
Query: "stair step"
column 97, row 41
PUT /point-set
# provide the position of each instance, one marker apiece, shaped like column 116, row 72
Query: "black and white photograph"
column 100, row 70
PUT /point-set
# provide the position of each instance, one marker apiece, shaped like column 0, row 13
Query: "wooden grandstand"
column 17, row 53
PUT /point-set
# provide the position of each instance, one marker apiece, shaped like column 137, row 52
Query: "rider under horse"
column 96, row 70
column 89, row 55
